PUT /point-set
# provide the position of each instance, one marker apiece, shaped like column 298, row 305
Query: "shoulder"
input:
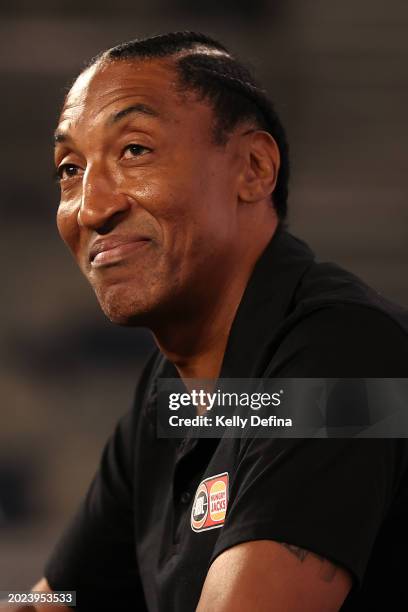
column 344, row 339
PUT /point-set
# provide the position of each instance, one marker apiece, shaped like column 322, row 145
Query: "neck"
column 196, row 343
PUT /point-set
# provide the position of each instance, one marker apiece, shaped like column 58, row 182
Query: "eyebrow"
column 60, row 137
column 137, row 109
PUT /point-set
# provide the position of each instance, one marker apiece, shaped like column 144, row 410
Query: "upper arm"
column 266, row 575
column 43, row 586
column 95, row 556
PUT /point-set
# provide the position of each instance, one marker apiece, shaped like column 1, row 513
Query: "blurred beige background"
column 337, row 73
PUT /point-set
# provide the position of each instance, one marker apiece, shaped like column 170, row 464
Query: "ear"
column 261, row 161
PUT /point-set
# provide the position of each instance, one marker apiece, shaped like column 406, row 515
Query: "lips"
column 112, row 250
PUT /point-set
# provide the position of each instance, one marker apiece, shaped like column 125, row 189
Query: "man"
column 173, row 170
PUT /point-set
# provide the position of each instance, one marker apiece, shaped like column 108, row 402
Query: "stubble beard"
column 139, row 301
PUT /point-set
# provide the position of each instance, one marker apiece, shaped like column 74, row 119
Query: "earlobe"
column 261, row 167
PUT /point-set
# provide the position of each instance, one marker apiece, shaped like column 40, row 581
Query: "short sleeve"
column 330, row 496
column 96, row 554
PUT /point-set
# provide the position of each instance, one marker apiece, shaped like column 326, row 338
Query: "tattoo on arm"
column 327, row 571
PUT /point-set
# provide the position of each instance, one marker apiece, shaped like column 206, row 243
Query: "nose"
column 103, row 204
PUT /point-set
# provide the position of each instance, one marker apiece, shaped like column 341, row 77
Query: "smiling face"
column 148, row 200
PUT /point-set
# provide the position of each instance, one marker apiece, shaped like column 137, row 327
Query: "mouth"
column 114, row 250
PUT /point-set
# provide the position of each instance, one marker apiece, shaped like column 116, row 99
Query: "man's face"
column 148, row 201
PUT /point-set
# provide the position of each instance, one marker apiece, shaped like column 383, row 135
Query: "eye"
column 67, row 171
column 134, row 150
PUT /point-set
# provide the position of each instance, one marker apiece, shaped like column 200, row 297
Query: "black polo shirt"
column 138, row 541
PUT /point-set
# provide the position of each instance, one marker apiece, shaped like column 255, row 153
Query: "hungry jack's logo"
column 210, row 503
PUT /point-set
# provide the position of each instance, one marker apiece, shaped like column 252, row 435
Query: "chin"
column 127, row 315
column 123, row 319
column 125, row 309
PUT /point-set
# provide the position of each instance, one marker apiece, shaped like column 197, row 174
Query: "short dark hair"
column 214, row 73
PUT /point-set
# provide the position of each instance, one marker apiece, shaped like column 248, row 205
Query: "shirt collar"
column 266, row 301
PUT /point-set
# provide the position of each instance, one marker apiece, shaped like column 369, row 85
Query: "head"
column 172, row 163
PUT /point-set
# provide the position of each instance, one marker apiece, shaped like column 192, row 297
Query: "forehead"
column 106, row 86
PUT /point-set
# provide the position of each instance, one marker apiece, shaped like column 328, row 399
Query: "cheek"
column 165, row 197
column 67, row 225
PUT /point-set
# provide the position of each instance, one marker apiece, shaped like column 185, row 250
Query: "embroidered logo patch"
column 210, row 503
